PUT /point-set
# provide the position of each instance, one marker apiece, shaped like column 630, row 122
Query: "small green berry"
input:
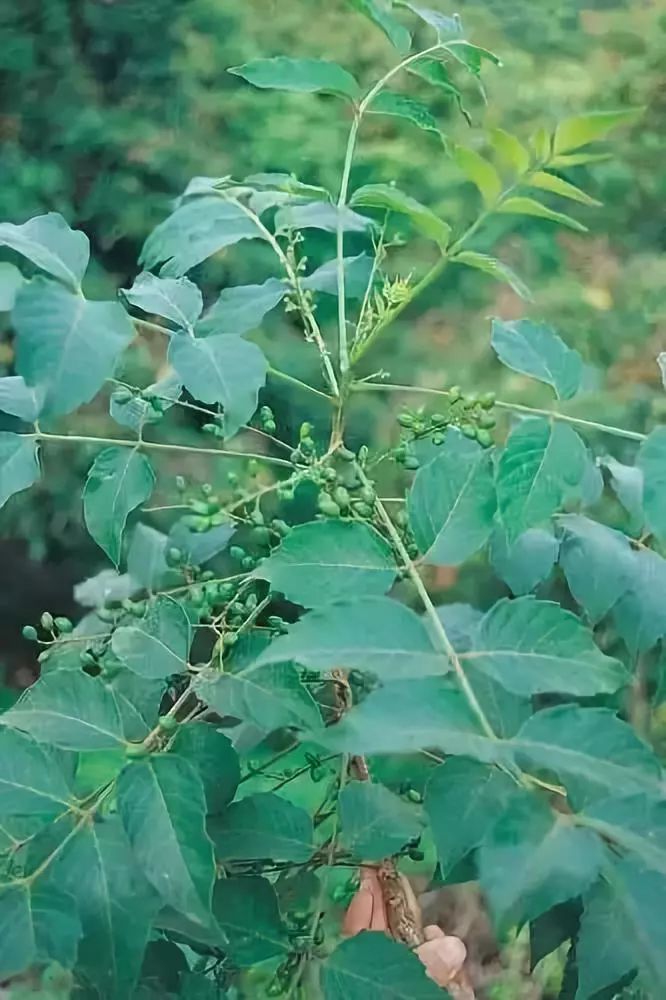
column 367, row 495
column 455, row 393
column 439, row 419
column 281, row 527
column 206, row 489
column 29, row 632
column 248, row 563
column 87, row 659
column 168, row 723
column 414, row 796
column 232, row 479
column 47, row 621
column 106, row 615
column 341, row 497
column 257, row 517
column 363, row 509
column 411, row 462
column 438, row 438
column 261, row 536
column 253, row 467
column 209, row 428
column 174, row 556
column 328, row 506
column 487, row 400
column 236, row 552
column 270, row 426
column 468, row 431
column 305, row 431
column 486, row 420
column 484, row 438
column 470, row 399
column 405, row 420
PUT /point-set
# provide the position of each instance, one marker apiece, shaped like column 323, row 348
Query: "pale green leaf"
column 367, row 633
column 37, row 926
column 535, row 350
column 214, row 757
column 146, row 559
column 636, row 824
column 199, row 228
column 472, row 57
column 463, row 799
column 221, row 369
column 387, row 102
column 540, row 143
column 106, row 586
column 158, row 644
column 374, row 822
column 444, row 25
column 304, row 76
column 51, row 245
column 200, row 546
column 556, row 185
column 380, row 12
column 31, row 781
column 540, row 465
column 320, row 215
column 597, row 562
column 137, row 411
column 652, row 462
column 263, row 826
column 241, row 308
column 371, row 966
column 393, row 199
column 138, row 698
column 452, row 501
column 509, row 151
column 247, row 911
column 533, row 858
column 176, row 299
column 581, row 129
column 118, row 481
column 496, row 269
column 358, row 274
column 627, row 483
column 11, row 280
column 270, row 697
column 18, row 399
column 324, row 561
column 19, row 464
column 528, row 206
column 162, row 805
column 640, row 614
column 533, row 647
column 70, row 710
column 67, row 346
column 480, row 172
column 527, row 562
column 577, row 159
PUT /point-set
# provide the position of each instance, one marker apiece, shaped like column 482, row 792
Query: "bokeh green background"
column 109, row 107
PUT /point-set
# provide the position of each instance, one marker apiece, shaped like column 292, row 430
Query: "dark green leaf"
column 177, row 299
column 320, row 215
column 305, row 76
column 199, row 228
column 146, row 561
column 358, row 273
column 578, row 131
column 221, row 369
column 118, row 481
column 70, row 710
column 392, row 199
column 452, row 501
column 18, row 399
column 325, row 561
column 379, row 11
column 532, row 647
column 472, row 57
column 652, row 462
column 549, row 182
column 636, row 824
column 138, row 699
column 51, row 245
column 528, row 206
column 533, row 858
column 37, row 926
column 163, row 965
column 444, row 26
column 536, row 350
column 137, row 411
column 19, row 464
column 480, row 172
column 158, row 644
column 640, row 614
column 539, row 467
column 200, row 546
column 263, row 826
column 374, row 822
column 247, row 911
column 11, row 281
column 31, row 781
column 241, row 308
column 371, row 633
column 597, row 562
column 67, row 346
column 400, row 106
column 495, row 268
column 214, row 757
column 526, row 563
column 371, row 966
column 463, row 799
column 162, row 806
column 551, row 929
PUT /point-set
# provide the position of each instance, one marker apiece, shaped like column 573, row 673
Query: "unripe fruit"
column 455, row 393
column 248, row 563
column 47, row 620
column 236, row 552
column 328, row 506
column 405, row 420
column 261, row 536
column 29, row 632
column 484, row 438
column 341, row 496
column 487, row 400
column 486, row 420
column 368, row 495
column 168, row 723
column 468, row 430
column 363, row 509
column 439, row 420
column 136, row 750
column 281, row 527
column 174, row 556
column 270, row 426
column 411, row 462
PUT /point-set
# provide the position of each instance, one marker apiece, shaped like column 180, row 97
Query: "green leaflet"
column 138, row 699
column 371, row 966
column 51, row 245
column 368, row 633
column 480, row 172
column 358, row 274
column 146, row 561
column 247, row 911
column 31, row 781
column 221, row 369
column 67, row 346
column 118, row 481
column 137, row 411
column 597, row 562
column 636, row 824
column 510, row 152
column 556, row 185
column 496, row 269
column 241, row 308
column 452, row 501
column 214, row 757
column 581, row 129
column 69, row 709
column 528, row 206
column 11, row 281
column 271, row 697
column 640, row 614
column 400, row 106
column 539, row 467
column 552, row 929
column 536, row 350
column 444, row 26
column 463, row 799
column 176, row 299
column 37, row 926
column 526, row 563
column 627, row 483
column 263, row 826
column 319, row 215
column 652, row 462
column 325, row 561
column 532, row 647
column 19, row 464
column 392, row 199
column 533, row 858
column 472, row 57
column 18, row 399
column 161, row 802
column 305, row 76
column 158, row 644
column 374, row 822
column 379, row 11
column 199, row 228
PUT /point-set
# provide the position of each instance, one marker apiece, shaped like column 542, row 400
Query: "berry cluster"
column 469, row 412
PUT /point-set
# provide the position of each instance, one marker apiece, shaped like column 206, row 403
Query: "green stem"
column 292, row 380
column 512, row 407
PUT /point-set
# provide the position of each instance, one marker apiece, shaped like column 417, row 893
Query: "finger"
column 379, row 918
column 359, row 913
column 443, row 958
column 432, row 931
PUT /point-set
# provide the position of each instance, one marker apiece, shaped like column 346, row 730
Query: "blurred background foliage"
column 109, row 107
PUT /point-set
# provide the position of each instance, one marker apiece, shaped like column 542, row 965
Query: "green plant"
column 184, row 791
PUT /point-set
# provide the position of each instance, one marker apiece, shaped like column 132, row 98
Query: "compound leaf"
column 549, row 182
column 496, row 269
column 118, row 481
